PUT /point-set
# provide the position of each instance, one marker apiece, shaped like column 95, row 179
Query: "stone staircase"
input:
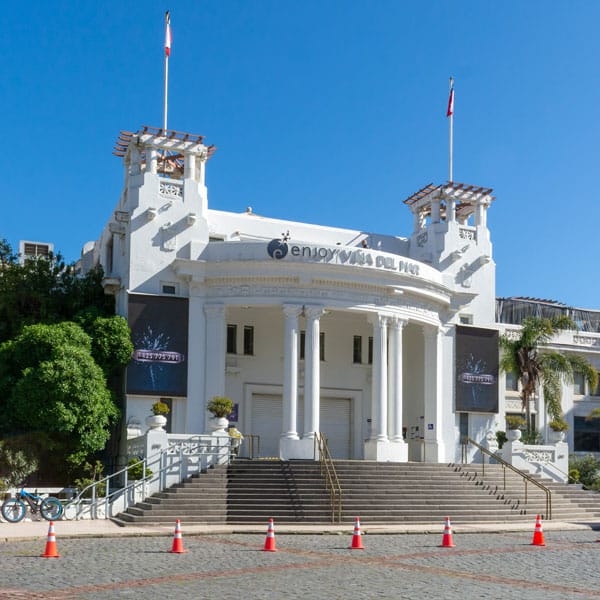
column 252, row 491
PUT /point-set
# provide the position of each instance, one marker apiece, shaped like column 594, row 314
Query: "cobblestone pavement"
column 410, row 566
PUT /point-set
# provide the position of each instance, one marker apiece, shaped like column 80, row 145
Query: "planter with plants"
column 513, row 425
column 220, row 407
column 158, row 419
column 558, row 427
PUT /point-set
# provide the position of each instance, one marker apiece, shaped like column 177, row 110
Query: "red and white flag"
column 450, row 110
column 167, row 34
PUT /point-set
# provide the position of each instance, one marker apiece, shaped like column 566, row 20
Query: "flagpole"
column 167, row 52
column 451, row 125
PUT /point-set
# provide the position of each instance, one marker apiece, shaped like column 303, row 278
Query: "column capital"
column 378, row 319
column 292, row 310
column 431, row 331
column 398, row 322
column 313, row 312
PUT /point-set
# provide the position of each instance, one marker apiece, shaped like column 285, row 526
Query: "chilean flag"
column 167, row 34
column 450, row 110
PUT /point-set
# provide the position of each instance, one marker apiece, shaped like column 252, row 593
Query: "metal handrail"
column 331, row 478
column 129, row 487
column 525, row 476
column 252, row 437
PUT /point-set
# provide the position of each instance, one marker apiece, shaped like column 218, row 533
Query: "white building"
column 381, row 342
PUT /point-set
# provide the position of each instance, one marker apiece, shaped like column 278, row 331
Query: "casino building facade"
column 386, row 344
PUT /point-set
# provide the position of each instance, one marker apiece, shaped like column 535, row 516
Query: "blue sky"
column 322, row 111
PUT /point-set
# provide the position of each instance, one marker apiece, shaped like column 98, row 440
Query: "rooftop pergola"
column 465, row 197
column 171, row 144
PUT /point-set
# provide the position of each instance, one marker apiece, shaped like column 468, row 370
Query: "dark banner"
column 159, row 330
column 477, row 356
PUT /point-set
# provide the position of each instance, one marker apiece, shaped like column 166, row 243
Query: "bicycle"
column 14, row 509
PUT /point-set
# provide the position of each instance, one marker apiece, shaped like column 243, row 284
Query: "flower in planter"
column 160, row 408
column 514, row 422
column 220, row 406
column 558, row 425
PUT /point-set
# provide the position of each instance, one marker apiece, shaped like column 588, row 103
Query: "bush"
column 588, row 471
column 514, row 422
column 501, row 438
column 160, row 408
column 558, row 425
column 220, row 406
column 15, row 464
column 136, row 469
column 94, row 474
column 531, row 437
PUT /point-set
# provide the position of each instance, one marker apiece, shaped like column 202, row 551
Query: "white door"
column 335, row 419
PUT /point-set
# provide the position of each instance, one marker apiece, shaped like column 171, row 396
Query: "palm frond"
column 581, row 365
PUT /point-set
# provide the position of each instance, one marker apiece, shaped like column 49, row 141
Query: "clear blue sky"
column 322, row 111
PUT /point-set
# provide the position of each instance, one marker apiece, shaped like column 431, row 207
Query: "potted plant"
column 158, row 419
column 220, row 407
column 558, row 428
column 513, row 424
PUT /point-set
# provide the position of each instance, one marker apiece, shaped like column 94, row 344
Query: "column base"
column 296, row 449
column 386, row 451
column 434, row 452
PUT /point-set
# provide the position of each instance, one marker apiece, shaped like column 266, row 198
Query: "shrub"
column 94, row 474
column 501, row 438
column 136, row 469
column 220, row 406
column 514, row 422
column 588, row 469
column 558, row 425
column 160, row 408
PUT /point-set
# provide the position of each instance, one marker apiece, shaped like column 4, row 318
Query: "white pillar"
column 215, row 351
column 312, row 364
column 151, row 160
column 434, row 450
column 290, row 372
column 450, row 210
column 435, row 210
column 379, row 380
column 195, row 421
column 395, row 396
column 189, row 166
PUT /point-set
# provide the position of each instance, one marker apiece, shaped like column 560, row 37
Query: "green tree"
column 45, row 290
column 538, row 367
column 50, row 383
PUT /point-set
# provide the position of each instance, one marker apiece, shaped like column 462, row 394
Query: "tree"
column 50, row 383
column 45, row 290
column 541, row 368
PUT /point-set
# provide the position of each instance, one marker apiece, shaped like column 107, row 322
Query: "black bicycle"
column 14, row 509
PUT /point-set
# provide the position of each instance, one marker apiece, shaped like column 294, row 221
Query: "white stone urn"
column 513, row 435
column 156, row 421
column 556, row 436
column 219, row 424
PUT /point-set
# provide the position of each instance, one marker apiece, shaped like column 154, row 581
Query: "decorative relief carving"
column 170, row 190
column 467, row 234
column 583, row 340
column 422, row 239
column 538, row 456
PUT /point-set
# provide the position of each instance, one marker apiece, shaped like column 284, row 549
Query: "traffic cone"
column 177, row 547
column 270, row 540
column 538, row 534
column 51, row 550
column 447, row 537
column 357, row 536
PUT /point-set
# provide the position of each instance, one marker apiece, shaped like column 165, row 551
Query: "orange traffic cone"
column 177, row 547
column 270, row 540
column 538, row 534
column 51, row 550
column 447, row 537
column 357, row 536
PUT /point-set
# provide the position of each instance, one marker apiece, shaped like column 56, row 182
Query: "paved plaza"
column 482, row 565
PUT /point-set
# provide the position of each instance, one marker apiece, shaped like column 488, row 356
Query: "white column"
column 395, row 407
column 290, row 372
column 450, row 210
column 435, row 210
column 189, row 166
column 151, row 160
column 195, row 421
column 312, row 375
column 434, row 451
column 215, row 351
column 379, row 380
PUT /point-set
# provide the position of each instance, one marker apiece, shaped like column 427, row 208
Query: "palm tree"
column 539, row 367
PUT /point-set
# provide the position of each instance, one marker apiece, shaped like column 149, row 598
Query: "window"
column 586, row 434
column 216, row 239
column 370, row 351
column 357, row 350
column 248, row 340
column 578, row 384
column 512, row 382
column 466, row 319
column 321, row 345
column 169, row 403
column 231, row 339
column 463, row 425
column 168, row 288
